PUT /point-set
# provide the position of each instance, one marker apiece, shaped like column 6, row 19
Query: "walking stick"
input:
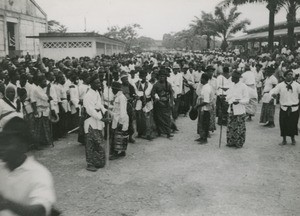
column 108, row 124
column 221, row 116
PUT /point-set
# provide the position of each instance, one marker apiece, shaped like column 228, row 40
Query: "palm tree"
column 204, row 26
column 291, row 6
column 272, row 5
column 228, row 24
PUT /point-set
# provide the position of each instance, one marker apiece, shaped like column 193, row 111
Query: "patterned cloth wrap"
column 120, row 140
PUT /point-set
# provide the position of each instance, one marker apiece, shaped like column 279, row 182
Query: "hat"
column 176, row 66
column 123, row 74
column 210, row 68
column 185, row 66
column 116, row 85
column 193, row 114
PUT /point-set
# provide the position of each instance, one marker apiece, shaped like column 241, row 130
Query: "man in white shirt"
column 93, row 126
column 204, row 106
column 259, row 77
column 26, row 187
column 144, row 107
column 237, row 97
column 223, row 84
column 176, row 82
column 120, row 123
column 289, row 91
column 268, row 106
column 248, row 78
column 187, row 95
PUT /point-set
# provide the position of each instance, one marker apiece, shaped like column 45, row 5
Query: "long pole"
column 221, row 116
column 108, row 124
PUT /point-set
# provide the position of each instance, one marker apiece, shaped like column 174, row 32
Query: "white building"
column 18, row 19
column 60, row 45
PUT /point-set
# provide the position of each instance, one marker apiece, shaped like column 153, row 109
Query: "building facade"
column 60, row 45
column 18, row 19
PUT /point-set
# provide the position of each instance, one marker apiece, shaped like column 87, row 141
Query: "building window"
column 80, row 44
column 55, row 45
column 76, row 44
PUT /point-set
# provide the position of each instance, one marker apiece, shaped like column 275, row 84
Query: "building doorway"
column 12, row 39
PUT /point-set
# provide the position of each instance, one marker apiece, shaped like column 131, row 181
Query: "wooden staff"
column 108, row 123
column 221, row 116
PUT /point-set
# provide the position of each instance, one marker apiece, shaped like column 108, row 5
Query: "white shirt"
column 206, row 96
column 249, row 79
column 188, row 79
column 269, row 82
column 132, row 81
column 258, row 78
column 27, row 102
column 176, row 82
column 223, row 82
column 42, row 104
column 29, row 184
column 83, row 89
column 287, row 98
column 141, row 91
column 120, row 112
column 74, row 98
column 238, row 91
column 93, row 104
column 197, row 78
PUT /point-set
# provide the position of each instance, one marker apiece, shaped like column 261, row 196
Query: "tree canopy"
column 55, row 26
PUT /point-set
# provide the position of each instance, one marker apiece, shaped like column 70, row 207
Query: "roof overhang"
column 263, row 35
column 74, row 34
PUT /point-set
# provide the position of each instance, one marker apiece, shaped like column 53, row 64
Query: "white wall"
column 60, row 53
column 2, row 37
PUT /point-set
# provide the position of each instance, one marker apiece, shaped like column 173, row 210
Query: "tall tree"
column 204, row 26
column 291, row 7
column 127, row 33
column 228, row 24
column 273, row 7
column 55, row 26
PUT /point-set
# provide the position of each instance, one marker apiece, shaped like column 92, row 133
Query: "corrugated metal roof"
column 260, row 35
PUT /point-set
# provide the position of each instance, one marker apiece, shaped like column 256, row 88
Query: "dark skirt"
column 95, row 148
column 42, row 131
column 236, row 130
column 145, row 123
column 288, row 123
column 203, row 123
column 186, row 102
column 162, row 118
column 222, row 110
column 212, row 111
column 81, row 134
column 267, row 113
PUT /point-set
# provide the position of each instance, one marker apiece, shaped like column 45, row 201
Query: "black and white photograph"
column 149, row 107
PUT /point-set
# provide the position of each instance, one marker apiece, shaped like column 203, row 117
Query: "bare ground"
column 179, row 177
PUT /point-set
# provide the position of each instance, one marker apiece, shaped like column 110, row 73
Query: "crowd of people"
column 124, row 96
column 120, row 97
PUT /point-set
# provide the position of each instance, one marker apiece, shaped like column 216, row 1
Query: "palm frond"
column 239, row 26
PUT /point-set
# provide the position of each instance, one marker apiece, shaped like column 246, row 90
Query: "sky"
column 156, row 17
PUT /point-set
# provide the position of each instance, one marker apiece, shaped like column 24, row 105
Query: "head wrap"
column 116, row 85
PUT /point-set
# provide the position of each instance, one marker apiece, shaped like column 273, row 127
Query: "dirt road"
column 179, row 177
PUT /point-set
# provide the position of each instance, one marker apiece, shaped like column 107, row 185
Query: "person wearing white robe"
column 237, row 98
